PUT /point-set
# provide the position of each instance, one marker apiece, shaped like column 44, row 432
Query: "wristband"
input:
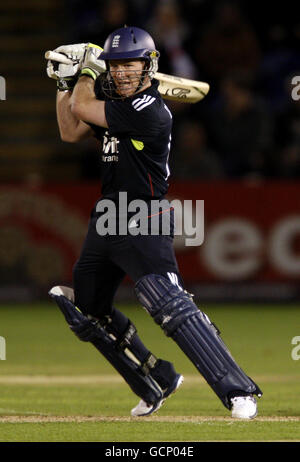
column 87, row 71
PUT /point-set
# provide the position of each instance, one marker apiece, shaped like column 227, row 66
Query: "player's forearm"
column 84, row 104
column 70, row 127
column 67, row 122
column 83, row 94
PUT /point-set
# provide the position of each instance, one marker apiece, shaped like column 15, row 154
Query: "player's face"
column 127, row 75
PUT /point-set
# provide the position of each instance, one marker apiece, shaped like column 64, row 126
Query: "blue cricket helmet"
column 131, row 43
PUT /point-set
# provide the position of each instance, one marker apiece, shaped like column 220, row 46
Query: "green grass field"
column 55, row 388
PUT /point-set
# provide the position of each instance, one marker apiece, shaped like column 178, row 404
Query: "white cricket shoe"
column 244, row 407
column 144, row 409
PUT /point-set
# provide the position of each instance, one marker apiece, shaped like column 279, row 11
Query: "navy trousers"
column 105, row 260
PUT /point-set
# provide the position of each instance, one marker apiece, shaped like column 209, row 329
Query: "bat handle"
column 58, row 57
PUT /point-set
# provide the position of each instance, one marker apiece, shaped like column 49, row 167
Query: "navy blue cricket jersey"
column 136, row 146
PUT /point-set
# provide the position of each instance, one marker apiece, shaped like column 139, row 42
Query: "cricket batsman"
column 111, row 94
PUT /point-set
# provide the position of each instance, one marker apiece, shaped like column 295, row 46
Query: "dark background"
column 247, row 127
column 244, row 134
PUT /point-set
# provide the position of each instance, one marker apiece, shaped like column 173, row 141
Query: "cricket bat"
column 170, row 87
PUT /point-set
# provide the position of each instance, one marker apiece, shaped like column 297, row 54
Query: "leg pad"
column 89, row 330
column 174, row 310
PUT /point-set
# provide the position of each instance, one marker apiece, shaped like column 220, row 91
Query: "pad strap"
column 125, row 340
column 149, row 364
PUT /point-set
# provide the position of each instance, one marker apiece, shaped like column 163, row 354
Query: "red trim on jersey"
column 159, row 213
column 151, row 186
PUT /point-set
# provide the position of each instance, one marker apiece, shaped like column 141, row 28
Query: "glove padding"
column 91, row 64
column 58, row 71
column 75, row 53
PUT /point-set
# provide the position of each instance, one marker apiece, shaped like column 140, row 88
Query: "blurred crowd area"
column 249, row 124
column 247, row 128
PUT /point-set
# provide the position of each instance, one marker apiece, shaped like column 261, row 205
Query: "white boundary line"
column 114, row 378
column 178, row 419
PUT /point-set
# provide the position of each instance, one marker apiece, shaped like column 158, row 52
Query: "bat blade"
column 181, row 89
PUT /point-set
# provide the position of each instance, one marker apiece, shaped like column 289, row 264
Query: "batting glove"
column 92, row 66
column 67, row 74
column 73, row 52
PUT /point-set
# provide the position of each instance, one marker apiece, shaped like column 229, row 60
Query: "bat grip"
column 58, row 57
